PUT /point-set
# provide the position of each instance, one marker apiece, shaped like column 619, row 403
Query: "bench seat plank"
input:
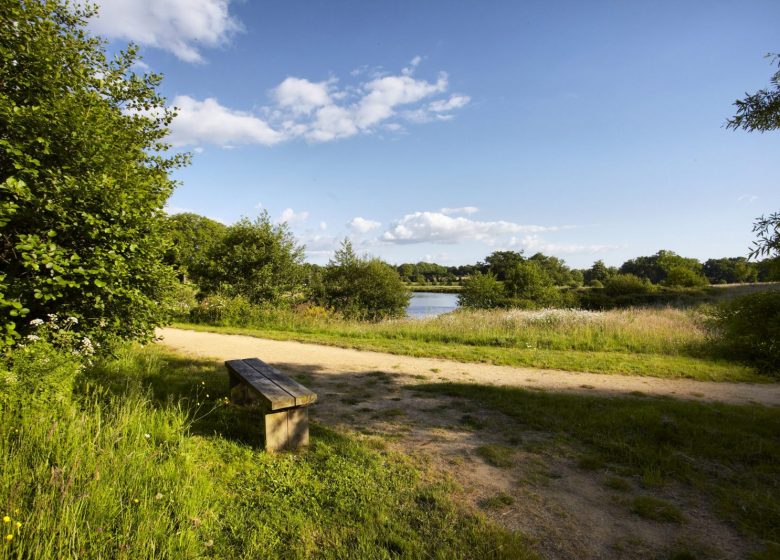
column 302, row 395
column 276, row 397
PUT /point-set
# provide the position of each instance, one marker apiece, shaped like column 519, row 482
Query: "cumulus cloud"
column 460, row 210
column 437, row 227
column 538, row 244
column 361, row 225
column 302, row 96
column 318, row 111
column 209, row 122
column 292, row 217
column 181, row 27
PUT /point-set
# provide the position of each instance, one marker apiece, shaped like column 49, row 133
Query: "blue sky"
column 447, row 130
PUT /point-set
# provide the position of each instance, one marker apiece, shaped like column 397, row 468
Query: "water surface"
column 430, row 304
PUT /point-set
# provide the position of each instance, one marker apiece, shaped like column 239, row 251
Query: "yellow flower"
column 6, row 519
column 135, row 500
column 18, row 525
column 9, row 538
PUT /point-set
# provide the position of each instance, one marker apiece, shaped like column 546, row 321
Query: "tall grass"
column 663, row 342
column 146, row 461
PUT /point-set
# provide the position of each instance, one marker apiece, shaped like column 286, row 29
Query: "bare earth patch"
column 570, row 510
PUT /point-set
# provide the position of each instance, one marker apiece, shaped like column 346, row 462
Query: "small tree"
column 499, row 263
column 83, row 178
column 482, row 291
column 258, row 260
column 363, row 288
column 528, row 281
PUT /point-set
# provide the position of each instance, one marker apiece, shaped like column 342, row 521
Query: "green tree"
column 761, row 110
column 83, row 178
column 482, row 291
column 528, row 281
column 192, row 239
column 363, row 288
column 258, row 260
column 499, row 263
column 683, row 277
column 599, row 272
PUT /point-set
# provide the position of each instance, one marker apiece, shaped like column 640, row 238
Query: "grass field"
column 147, row 461
column 668, row 343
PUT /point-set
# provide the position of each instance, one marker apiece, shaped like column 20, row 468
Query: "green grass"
column 146, row 461
column 666, row 343
column 657, row 509
column 496, row 455
column 729, row 454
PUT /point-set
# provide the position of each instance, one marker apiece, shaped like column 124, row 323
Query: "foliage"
column 599, row 272
column 180, row 299
column 655, row 268
column 193, row 238
column 258, row 260
column 529, row 285
column 683, row 277
column 83, row 178
column 730, row 270
column 767, row 229
column 749, row 329
column 482, row 291
column 761, row 110
column 363, row 288
column 626, row 284
column 499, row 263
column 556, row 269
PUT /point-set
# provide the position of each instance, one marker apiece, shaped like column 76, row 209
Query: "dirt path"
column 331, row 360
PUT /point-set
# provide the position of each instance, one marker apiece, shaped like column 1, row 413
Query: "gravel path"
column 335, row 361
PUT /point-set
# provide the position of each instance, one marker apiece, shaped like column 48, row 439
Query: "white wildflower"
column 36, row 322
column 72, row 320
column 33, row 337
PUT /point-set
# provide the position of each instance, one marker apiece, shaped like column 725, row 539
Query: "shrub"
column 482, row 291
column 528, row 281
column 626, row 284
column 223, row 310
column 748, row 329
column 682, row 277
column 363, row 288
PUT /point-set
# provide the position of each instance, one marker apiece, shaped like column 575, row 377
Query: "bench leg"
column 287, row 429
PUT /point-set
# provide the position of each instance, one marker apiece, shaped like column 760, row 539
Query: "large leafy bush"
column 82, row 178
column 749, row 329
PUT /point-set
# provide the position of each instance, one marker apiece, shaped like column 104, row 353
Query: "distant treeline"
column 663, row 268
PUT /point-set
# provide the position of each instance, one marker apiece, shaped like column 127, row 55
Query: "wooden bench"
column 284, row 400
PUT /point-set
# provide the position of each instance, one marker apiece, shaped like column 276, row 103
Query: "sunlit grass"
column 665, row 342
column 147, row 461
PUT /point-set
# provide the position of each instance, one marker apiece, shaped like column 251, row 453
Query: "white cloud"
column 323, row 226
column 302, row 96
column 209, row 122
column 292, row 217
column 181, row 27
column 460, row 210
column 361, row 225
column 747, row 198
column 316, row 111
column 538, row 244
column 437, row 227
column 454, row 102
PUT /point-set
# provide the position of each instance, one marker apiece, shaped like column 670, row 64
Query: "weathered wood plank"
column 274, row 396
column 303, row 395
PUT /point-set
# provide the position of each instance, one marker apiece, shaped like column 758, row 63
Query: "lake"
column 430, row 304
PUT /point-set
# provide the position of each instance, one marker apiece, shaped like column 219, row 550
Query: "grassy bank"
column 455, row 289
column 146, row 460
column 729, row 454
column 666, row 343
